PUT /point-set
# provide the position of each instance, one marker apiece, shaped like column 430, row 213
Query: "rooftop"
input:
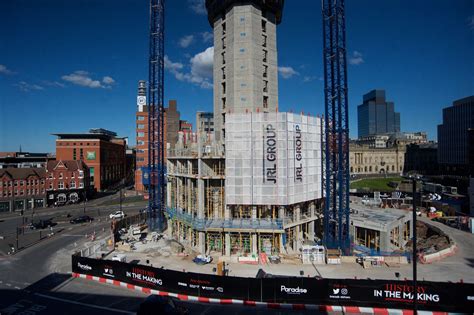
column 217, row 7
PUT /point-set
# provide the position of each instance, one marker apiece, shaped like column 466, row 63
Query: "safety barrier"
column 431, row 296
column 433, row 257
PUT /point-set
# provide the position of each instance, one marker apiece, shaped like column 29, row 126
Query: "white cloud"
column 470, row 21
column 287, row 72
column 53, row 83
column 356, row 58
column 309, row 78
column 201, row 69
column 108, row 80
column 83, row 78
column 197, row 6
column 26, row 87
column 5, row 70
column 185, row 41
column 207, row 37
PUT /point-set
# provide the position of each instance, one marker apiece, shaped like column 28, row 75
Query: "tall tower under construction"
column 245, row 57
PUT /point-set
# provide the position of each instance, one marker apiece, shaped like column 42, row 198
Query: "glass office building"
column 376, row 116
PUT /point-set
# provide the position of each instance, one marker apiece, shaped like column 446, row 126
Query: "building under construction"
column 254, row 184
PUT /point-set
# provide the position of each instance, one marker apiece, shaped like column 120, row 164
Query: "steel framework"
column 156, row 145
column 336, row 182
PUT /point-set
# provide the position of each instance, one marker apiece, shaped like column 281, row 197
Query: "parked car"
column 117, row 215
column 42, row 224
column 81, row 219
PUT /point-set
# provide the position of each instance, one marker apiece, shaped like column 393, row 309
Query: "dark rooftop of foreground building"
column 217, row 7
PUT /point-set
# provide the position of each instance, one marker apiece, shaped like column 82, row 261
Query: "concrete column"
column 200, row 193
column 282, row 246
column 227, row 244
column 254, row 212
column 169, row 187
column 297, row 213
column 254, row 244
column 281, row 212
column 312, row 209
column 227, row 213
column 202, row 243
column 311, row 230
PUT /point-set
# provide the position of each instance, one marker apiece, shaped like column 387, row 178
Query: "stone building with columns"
column 366, row 160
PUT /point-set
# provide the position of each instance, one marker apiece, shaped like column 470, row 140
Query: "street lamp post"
column 85, row 197
column 414, row 248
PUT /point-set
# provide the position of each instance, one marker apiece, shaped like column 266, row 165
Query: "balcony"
column 224, row 224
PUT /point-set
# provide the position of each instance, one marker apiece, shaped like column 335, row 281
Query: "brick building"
column 171, row 126
column 22, row 189
column 101, row 151
column 67, row 182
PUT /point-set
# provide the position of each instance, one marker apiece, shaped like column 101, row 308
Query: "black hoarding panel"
column 435, row 296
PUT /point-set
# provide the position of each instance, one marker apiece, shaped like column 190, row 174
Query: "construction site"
column 264, row 196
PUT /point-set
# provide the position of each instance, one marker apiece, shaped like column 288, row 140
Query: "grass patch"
column 375, row 184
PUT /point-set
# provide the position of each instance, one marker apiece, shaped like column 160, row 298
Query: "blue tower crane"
column 336, row 127
column 156, row 144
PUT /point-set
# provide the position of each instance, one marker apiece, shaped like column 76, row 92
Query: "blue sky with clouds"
column 67, row 66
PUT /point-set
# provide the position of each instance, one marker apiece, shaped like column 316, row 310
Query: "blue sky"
column 67, row 66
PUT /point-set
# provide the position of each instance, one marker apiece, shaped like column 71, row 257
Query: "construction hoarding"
column 435, row 296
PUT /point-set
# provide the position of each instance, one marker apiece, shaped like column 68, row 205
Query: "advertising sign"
column 434, row 296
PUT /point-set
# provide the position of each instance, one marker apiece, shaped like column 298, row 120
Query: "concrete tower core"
column 245, row 57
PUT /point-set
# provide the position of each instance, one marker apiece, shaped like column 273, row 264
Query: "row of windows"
column 72, row 185
column 22, row 182
column 376, row 169
column 28, row 192
column 141, row 118
column 61, row 175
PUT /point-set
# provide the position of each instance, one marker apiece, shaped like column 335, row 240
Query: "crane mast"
column 336, row 127
column 156, row 143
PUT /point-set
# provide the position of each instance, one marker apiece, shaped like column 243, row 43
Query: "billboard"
column 272, row 158
column 435, row 296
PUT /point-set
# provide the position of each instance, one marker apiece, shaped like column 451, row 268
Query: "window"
column 265, row 71
column 242, row 50
column 72, row 184
column 60, row 185
column 265, row 102
column 265, row 86
column 265, row 55
column 81, row 184
column 141, row 126
column 243, row 34
column 223, row 58
column 82, row 154
column 264, row 26
column 140, row 142
column 140, row 118
column 223, row 28
column 140, row 134
column 223, row 43
column 81, row 173
column 223, row 103
column 50, row 176
column 74, row 154
column 60, row 175
column 140, row 159
column 242, row 19
column 264, row 40
column 140, row 151
column 223, row 73
column 51, row 186
column 223, row 87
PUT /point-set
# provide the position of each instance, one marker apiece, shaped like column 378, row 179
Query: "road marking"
column 85, row 304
